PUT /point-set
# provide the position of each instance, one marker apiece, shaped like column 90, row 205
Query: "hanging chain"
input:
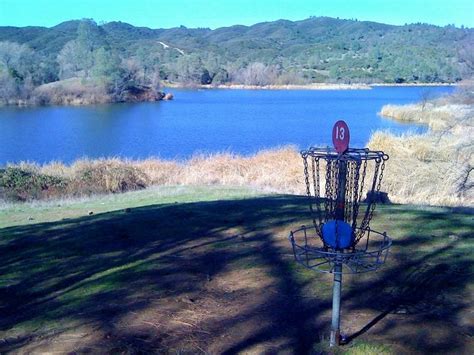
column 380, row 165
column 317, row 226
column 328, row 197
column 355, row 210
column 361, row 193
column 349, row 191
column 355, row 168
column 317, row 191
column 308, row 189
column 375, row 194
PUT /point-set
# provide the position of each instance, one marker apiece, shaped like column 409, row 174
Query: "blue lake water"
column 240, row 121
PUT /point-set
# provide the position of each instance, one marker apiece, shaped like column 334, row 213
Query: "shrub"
column 107, row 177
column 20, row 184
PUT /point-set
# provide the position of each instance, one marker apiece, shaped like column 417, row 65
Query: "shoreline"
column 75, row 100
column 314, row 86
column 415, row 84
column 290, row 87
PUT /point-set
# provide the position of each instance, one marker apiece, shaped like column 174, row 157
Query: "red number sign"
column 340, row 136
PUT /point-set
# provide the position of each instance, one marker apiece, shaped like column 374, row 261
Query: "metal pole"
column 336, row 305
column 337, row 285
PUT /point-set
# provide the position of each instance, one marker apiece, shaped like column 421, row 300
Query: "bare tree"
column 18, row 71
column 257, row 74
column 425, row 96
column 8, row 87
column 17, row 59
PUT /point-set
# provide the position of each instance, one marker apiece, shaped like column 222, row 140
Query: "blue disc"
column 337, row 234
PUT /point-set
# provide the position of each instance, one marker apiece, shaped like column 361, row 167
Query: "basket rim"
column 357, row 154
column 324, row 251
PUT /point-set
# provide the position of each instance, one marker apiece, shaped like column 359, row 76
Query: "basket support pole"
column 337, row 285
column 336, row 306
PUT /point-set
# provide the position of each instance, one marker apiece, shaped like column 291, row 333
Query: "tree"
column 17, row 59
column 8, row 87
column 466, row 59
column 69, row 63
column 213, row 66
column 189, row 68
column 149, row 60
column 425, row 96
column 257, row 74
column 19, row 71
column 76, row 58
column 106, row 63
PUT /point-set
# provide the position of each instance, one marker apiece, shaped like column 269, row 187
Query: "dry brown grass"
column 271, row 170
column 434, row 117
column 74, row 91
column 110, row 176
column 278, row 170
column 434, row 168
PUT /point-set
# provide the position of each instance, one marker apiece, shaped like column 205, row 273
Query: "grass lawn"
column 209, row 269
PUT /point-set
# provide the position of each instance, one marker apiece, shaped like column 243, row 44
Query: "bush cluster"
column 25, row 183
column 106, row 177
column 19, row 184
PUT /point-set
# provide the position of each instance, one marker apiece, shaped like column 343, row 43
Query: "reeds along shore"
column 434, row 168
column 272, row 171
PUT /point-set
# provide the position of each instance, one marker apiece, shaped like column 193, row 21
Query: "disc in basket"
column 337, row 234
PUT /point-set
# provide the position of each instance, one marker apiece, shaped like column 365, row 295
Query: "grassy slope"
column 40, row 212
column 209, row 268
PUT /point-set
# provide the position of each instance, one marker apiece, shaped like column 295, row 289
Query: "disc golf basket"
column 340, row 240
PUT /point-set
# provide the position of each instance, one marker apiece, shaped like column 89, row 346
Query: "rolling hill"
column 317, row 49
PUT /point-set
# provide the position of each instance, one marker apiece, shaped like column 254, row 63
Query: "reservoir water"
column 200, row 121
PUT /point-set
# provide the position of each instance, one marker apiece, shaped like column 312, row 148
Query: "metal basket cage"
column 368, row 255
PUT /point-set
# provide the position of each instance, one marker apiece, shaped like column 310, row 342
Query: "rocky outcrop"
column 140, row 93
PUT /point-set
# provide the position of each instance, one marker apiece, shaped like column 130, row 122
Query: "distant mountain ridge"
column 317, row 49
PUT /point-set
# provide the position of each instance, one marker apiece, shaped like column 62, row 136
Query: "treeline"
column 123, row 60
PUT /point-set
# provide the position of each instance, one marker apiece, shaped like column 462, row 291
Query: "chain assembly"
column 338, row 186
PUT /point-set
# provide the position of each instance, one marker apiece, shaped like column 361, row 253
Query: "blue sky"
column 218, row 13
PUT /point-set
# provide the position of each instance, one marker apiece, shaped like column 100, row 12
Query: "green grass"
column 141, row 252
column 40, row 211
column 356, row 348
column 362, row 348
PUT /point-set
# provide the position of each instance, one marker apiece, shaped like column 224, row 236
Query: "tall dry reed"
column 434, row 168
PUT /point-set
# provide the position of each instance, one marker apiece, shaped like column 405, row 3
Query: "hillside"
column 318, row 49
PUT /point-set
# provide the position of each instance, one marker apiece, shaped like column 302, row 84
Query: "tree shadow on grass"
column 97, row 269
column 424, row 289
column 207, row 276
